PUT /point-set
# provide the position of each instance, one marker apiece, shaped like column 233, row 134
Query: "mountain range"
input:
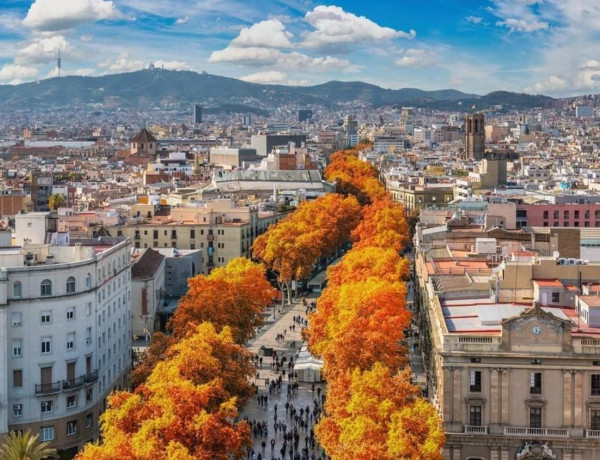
column 170, row 88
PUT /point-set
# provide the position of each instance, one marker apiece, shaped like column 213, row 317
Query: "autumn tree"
column 370, row 313
column 55, row 201
column 186, row 409
column 157, row 351
column 315, row 230
column 233, row 296
column 383, row 225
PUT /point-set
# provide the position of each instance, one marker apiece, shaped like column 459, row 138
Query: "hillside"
column 157, row 87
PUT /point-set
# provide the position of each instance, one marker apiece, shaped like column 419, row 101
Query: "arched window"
column 46, row 288
column 88, row 281
column 17, row 291
column 70, row 285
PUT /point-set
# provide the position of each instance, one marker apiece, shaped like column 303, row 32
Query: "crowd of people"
column 285, row 428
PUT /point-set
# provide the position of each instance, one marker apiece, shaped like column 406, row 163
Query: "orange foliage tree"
column 364, row 326
column 232, row 296
column 363, row 416
column 186, row 409
column 383, row 225
column 156, row 352
column 315, row 230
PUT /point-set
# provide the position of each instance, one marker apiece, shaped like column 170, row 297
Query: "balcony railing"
column 48, row 388
column 545, row 432
column 592, row 433
column 72, row 384
column 473, row 429
column 90, row 378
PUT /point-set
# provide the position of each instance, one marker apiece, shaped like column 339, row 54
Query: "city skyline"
column 530, row 46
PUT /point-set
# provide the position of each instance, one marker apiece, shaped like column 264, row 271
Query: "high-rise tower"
column 475, row 136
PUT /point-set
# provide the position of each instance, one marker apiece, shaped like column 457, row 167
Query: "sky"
column 477, row 46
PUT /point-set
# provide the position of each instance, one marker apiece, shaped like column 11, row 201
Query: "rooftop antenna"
column 58, row 63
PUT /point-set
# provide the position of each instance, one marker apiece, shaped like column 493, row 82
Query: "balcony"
column 592, row 433
column 72, row 384
column 529, row 432
column 90, row 378
column 48, row 388
column 472, row 429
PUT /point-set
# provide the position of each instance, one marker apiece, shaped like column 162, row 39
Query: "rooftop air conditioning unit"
column 572, row 261
column 562, row 261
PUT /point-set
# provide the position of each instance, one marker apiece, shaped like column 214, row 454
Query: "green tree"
column 55, row 201
column 25, row 446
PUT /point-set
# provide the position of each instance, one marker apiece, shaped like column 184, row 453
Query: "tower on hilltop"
column 475, row 136
column 58, row 63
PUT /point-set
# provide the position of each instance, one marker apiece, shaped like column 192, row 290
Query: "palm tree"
column 25, row 446
column 55, row 201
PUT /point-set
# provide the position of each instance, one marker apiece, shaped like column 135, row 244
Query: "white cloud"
column 336, row 28
column 16, row 73
column 270, row 33
column 86, row 38
column 417, row 58
column 173, row 65
column 84, row 72
column 53, row 15
column 550, row 85
column 521, row 25
column 267, row 77
column 43, row 50
column 182, row 20
column 474, row 19
column 456, row 81
column 256, row 56
column 123, row 63
column 301, row 82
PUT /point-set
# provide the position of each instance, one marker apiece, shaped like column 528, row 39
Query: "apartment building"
column 220, row 229
column 65, row 315
column 512, row 348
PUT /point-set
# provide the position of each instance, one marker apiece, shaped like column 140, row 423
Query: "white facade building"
column 65, row 314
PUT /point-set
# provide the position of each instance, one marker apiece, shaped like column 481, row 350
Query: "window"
column 17, row 378
column 555, row 297
column 89, row 394
column 595, row 420
column 88, row 336
column 71, row 401
column 71, row 341
column 16, row 319
column 17, row 291
column 475, row 381
column 535, row 383
column 70, row 285
column 46, row 317
column 47, row 406
column 576, row 214
column 545, row 214
column 155, row 234
column 192, row 233
column 71, row 427
column 566, row 215
column 46, row 344
column 46, row 433
column 595, row 385
column 555, row 215
column 88, row 309
column 475, row 415
column 535, row 417
column 17, row 347
column 173, row 234
column 89, row 420
column 88, row 281
column 17, row 410
column 46, row 288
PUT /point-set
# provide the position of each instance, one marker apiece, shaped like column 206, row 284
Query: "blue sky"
column 537, row 46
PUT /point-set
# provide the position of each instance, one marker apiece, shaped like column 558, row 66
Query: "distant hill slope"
column 149, row 88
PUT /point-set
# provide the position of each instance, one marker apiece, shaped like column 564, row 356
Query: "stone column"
column 494, row 455
column 456, row 404
column 568, row 399
column 567, row 454
column 504, row 417
column 447, row 394
column 494, row 397
column 504, row 451
column 456, row 453
column 578, row 410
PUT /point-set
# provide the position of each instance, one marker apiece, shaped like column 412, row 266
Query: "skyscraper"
column 197, row 113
